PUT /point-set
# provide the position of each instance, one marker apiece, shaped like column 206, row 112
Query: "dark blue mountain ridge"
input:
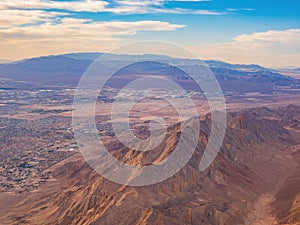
column 68, row 68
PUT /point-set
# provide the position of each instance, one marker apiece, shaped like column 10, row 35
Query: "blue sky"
column 266, row 32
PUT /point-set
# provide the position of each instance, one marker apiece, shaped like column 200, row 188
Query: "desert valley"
column 44, row 179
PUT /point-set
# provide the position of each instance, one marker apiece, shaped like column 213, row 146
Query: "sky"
column 265, row 32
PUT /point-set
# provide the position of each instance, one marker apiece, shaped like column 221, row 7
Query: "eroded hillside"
column 253, row 180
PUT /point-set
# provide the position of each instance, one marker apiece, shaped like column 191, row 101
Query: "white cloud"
column 177, row 11
column 119, row 6
column 139, row 2
column 156, row 6
column 10, row 18
column 27, row 28
column 78, row 6
column 286, row 37
column 206, row 12
column 70, row 35
column 240, row 9
column 270, row 48
column 153, row 2
column 71, row 27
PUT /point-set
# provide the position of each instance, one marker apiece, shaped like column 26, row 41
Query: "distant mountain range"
column 151, row 57
column 67, row 70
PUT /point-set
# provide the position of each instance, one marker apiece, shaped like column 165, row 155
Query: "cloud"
column 270, row 48
column 240, row 9
column 72, row 34
column 72, row 27
column 153, row 2
column 10, row 18
column 156, row 6
column 285, row 37
column 178, row 11
column 116, row 6
column 139, row 2
column 78, row 6
column 39, row 27
column 206, row 12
